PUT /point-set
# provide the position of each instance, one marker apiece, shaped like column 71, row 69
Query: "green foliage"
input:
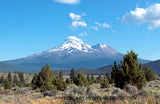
column 21, row 79
column 92, row 77
column 105, row 83
column 44, row 79
column 2, row 80
column 90, row 81
column 15, row 79
column 81, row 80
column 73, row 74
column 9, row 77
column 129, row 72
column 7, row 85
column 61, row 74
column 149, row 74
column 60, row 85
column 68, row 81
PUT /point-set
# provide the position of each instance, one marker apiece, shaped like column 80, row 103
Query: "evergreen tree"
column 61, row 74
column 60, row 85
column 2, row 80
column 114, row 73
column 81, row 80
column 129, row 72
column 149, row 74
column 105, row 82
column 73, row 74
column 92, row 78
column 9, row 77
column 21, row 79
column 89, row 79
column 68, row 81
column 7, row 85
column 15, row 79
column 44, row 79
column 108, row 77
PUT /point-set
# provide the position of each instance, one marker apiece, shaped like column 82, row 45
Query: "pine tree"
column 68, row 81
column 9, row 77
column 61, row 74
column 92, row 78
column 129, row 72
column 149, row 75
column 89, row 79
column 44, row 79
column 7, row 85
column 105, row 82
column 114, row 72
column 81, row 80
column 60, row 85
column 73, row 74
column 15, row 79
column 2, row 80
column 21, row 79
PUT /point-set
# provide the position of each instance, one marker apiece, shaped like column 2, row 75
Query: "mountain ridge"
column 73, row 52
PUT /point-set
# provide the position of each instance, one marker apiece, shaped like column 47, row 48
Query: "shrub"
column 59, row 84
column 149, row 74
column 81, row 80
column 132, row 90
column 7, row 85
column 44, row 79
column 129, row 72
column 105, row 83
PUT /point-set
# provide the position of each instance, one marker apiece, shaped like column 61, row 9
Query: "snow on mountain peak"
column 72, row 43
column 73, row 38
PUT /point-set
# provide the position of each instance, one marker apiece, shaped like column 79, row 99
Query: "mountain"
column 155, row 66
column 4, row 67
column 72, row 53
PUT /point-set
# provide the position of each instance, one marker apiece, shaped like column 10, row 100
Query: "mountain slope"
column 72, row 53
column 155, row 66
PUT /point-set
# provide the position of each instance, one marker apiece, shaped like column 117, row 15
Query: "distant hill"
column 155, row 66
column 4, row 67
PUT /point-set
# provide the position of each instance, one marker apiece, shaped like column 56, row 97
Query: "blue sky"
column 32, row 26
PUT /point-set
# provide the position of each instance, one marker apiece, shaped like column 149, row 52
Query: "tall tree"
column 15, row 79
column 92, row 77
column 129, row 72
column 61, row 74
column 73, row 74
column 9, row 77
column 44, row 80
column 21, row 78
column 81, row 80
column 2, row 80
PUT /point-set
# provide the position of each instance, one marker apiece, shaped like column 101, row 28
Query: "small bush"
column 105, row 83
column 132, row 90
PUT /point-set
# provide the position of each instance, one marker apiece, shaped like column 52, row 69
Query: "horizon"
column 30, row 27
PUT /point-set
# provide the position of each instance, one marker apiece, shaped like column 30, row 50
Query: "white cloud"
column 149, row 15
column 77, row 20
column 79, row 23
column 95, row 28
column 104, row 25
column 74, row 16
column 114, row 32
column 68, row 1
column 83, row 34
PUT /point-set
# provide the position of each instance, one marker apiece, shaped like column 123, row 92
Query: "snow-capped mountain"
column 72, row 53
column 75, row 46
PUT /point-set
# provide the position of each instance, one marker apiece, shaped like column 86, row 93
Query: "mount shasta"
column 73, row 53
